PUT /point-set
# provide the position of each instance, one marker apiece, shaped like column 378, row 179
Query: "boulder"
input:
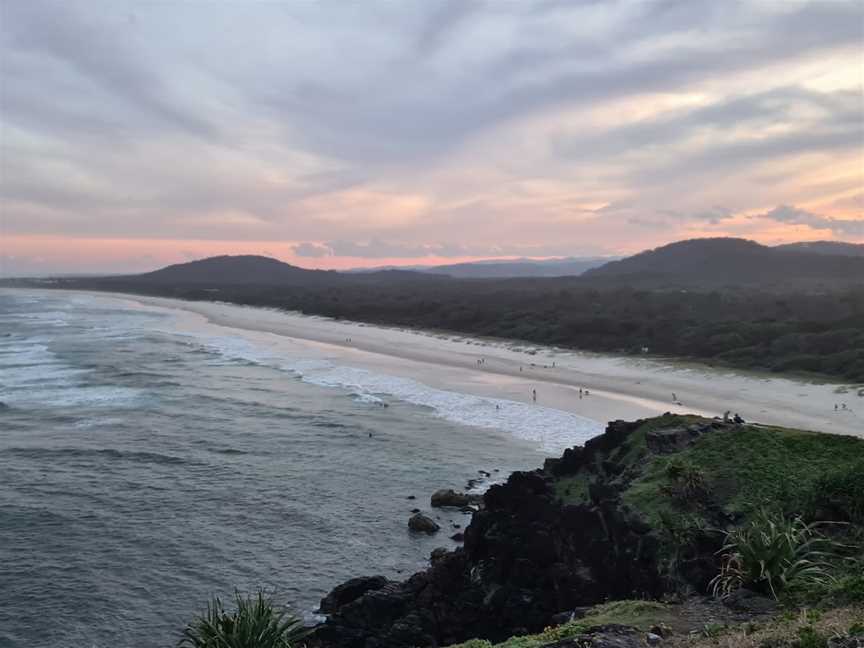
column 744, row 600
column 846, row 642
column 437, row 554
column 449, row 497
column 350, row 591
column 422, row 524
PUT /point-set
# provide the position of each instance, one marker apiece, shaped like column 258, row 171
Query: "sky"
column 134, row 134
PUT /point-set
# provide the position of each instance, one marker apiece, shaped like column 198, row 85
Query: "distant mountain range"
column 714, row 262
column 838, row 248
column 698, row 263
column 494, row 269
column 255, row 270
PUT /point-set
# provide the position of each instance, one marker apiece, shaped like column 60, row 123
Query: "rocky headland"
column 639, row 515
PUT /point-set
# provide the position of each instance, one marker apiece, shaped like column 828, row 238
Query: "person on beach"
column 534, row 395
column 580, row 393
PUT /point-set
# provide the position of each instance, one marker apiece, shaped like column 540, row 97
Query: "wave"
column 100, row 454
column 74, row 396
column 550, row 428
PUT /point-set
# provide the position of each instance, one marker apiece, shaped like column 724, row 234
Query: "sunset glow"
column 134, row 136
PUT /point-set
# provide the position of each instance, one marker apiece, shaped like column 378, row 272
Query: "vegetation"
column 773, row 554
column 799, row 629
column 255, row 623
column 638, row 614
column 810, row 328
column 770, row 488
column 747, row 469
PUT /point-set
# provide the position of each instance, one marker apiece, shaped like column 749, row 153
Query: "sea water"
column 149, row 461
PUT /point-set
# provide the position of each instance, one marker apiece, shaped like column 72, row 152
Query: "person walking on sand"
column 534, row 395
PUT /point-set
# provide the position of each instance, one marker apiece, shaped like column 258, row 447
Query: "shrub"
column 256, row 623
column 772, row 554
column 688, row 483
column 809, row 637
column 838, row 495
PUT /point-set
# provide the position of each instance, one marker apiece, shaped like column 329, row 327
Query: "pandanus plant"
column 255, row 623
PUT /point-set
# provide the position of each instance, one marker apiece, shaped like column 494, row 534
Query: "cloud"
column 795, row 216
column 312, row 250
column 418, row 129
column 380, row 249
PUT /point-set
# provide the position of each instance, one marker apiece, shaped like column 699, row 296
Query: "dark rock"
column 349, row 591
column 846, row 642
column 561, row 618
column 422, row 524
column 437, row 554
column 661, row 629
column 411, row 497
column 653, row 639
column 611, row 636
column 449, row 497
column 671, row 440
column 744, row 600
column 526, row 557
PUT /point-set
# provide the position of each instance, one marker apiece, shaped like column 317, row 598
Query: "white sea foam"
column 73, row 396
column 551, row 429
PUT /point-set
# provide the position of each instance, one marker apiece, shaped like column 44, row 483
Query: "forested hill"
column 718, row 262
column 839, row 248
column 234, row 270
column 719, row 301
column 219, row 272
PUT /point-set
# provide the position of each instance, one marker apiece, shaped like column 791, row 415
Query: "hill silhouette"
column 713, row 262
column 229, row 270
column 839, row 248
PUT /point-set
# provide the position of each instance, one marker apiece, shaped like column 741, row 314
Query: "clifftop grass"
column 736, row 471
column 638, row 614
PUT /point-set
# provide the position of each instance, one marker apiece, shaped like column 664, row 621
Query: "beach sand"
column 620, row 387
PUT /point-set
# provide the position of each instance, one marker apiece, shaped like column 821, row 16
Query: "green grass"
column 572, row 489
column 638, row 614
column 747, row 469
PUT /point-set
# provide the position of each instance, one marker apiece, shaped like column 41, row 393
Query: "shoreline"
column 620, row 387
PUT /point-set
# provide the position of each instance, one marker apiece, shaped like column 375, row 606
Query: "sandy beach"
column 618, row 387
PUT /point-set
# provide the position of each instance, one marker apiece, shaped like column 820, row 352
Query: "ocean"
column 150, row 460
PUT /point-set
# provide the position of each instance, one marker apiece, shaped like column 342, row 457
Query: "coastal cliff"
column 640, row 512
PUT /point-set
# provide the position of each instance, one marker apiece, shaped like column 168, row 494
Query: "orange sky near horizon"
column 52, row 255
